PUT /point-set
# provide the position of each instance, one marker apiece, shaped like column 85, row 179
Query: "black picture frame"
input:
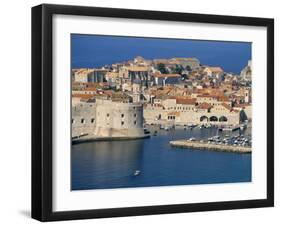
column 42, row 111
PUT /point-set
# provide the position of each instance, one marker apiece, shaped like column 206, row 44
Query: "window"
column 122, row 123
column 82, row 120
column 122, row 115
column 107, row 114
column 92, row 120
column 135, row 122
column 135, row 115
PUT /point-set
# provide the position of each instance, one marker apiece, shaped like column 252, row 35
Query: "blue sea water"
column 98, row 50
column 112, row 164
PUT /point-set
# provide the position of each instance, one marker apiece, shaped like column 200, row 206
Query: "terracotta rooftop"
column 162, row 96
column 241, row 105
column 204, row 106
column 217, row 96
column 188, row 101
column 83, row 96
column 223, row 98
column 207, row 95
column 91, row 88
column 215, row 69
column 227, row 106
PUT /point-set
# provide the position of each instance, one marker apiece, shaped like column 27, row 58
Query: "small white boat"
column 137, row 172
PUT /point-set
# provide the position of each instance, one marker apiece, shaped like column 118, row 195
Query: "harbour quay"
column 209, row 146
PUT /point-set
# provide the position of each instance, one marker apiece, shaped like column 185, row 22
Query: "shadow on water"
column 99, row 164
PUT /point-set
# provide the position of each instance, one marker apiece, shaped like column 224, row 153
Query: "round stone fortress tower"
column 106, row 120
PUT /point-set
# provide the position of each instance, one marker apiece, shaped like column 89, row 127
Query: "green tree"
column 161, row 67
column 177, row 69
column 188, row 68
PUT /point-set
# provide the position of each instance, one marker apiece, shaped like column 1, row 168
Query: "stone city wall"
column 105, row 118
column 189, row 117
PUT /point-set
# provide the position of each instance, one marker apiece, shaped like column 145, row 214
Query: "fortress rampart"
column 104, row 119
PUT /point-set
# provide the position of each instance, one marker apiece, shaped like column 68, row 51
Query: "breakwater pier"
column 210, row 146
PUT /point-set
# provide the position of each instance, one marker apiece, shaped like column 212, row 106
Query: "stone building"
column 136, row 90
column 140, row 61
column 163, row 79
column 97, row 75
column 106, row 119
column 130, row 73
column 214, row 72
column 246, row 73
column 85, row 75
column 82, row 75
column 191, row 63
column 185, row 111
column 212, row 99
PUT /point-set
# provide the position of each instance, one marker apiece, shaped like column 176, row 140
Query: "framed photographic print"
column 146, row 112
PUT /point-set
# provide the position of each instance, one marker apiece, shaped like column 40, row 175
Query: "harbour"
column 154, row 162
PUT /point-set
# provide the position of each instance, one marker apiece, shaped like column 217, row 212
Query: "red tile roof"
column 223, row 98
column 91, row 88
column 83, row 96
column 242, row 105
column 204, row 106
column 215, row 69
column 188, row 101
column 227, row 106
